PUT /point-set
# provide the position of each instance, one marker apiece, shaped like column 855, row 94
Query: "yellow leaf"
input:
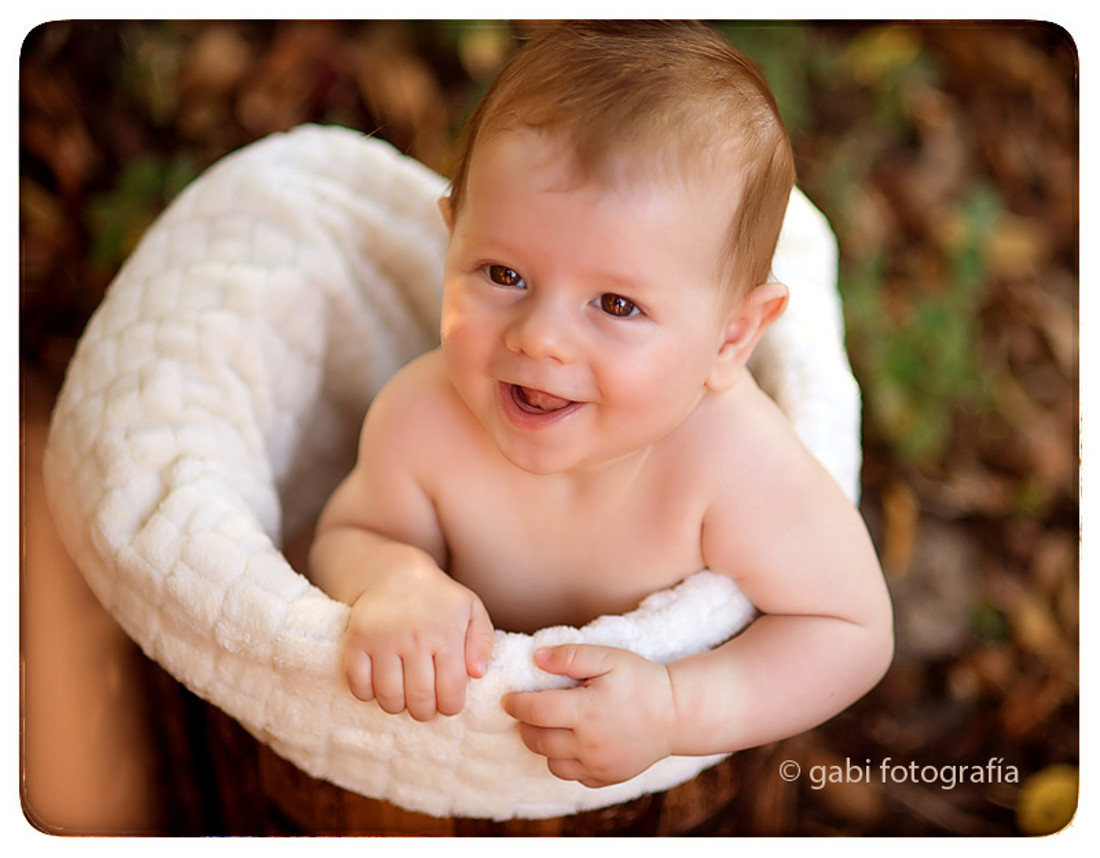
column 1034, row 626
column 1018, row 246
column 875, row 54
column 483, row 48
column 901, row 508
column 1048, row 800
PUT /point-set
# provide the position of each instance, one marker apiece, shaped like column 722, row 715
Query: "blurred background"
column 946, row 158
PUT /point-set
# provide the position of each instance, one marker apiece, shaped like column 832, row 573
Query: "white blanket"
column 214, row 401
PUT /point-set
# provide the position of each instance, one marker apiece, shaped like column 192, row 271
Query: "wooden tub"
column 221, row 781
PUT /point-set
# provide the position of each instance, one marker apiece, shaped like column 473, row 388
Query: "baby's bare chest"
column 538, row 561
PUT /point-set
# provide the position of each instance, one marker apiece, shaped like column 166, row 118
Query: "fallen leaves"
column 53, row 130
column 402, row 93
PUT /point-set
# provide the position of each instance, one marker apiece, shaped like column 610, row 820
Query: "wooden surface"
column 87, row 759
column 288, row 802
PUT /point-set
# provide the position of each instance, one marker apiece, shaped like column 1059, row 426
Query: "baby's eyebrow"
column 615, row 281
column 490, row 245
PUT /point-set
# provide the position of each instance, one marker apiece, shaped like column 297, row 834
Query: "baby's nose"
column 543, row 332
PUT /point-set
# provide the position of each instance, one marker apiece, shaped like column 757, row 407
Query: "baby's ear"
column 447, row 210
column 751, row 316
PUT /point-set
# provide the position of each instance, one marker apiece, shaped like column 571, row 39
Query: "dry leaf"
column 483, row 49
column 277, row 96
column 1017, row 246
column 901, row 509
column 1031, row 702
column 1048, row 800
column 402, row 94
column 216, row 62
column 1034, row 627
column 51, row 128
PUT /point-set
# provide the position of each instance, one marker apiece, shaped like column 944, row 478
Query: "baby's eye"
column 502, row 275
column 617, row 305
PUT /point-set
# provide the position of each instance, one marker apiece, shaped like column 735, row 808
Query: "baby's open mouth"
column 535, row 401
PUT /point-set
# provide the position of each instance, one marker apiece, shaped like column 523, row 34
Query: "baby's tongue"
column 540, row 400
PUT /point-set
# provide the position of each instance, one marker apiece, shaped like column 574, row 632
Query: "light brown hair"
column 671, row 92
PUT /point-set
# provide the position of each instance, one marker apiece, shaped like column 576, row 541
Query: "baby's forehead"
column 631, row 165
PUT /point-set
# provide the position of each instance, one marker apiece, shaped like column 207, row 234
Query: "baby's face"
column 581, row 321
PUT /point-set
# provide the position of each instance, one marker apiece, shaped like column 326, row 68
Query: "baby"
column 588, row 433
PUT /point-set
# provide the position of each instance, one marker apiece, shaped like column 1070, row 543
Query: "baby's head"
column 663, row 100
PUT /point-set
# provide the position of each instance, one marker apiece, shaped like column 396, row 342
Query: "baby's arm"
column 415, row 634
column 801, row 553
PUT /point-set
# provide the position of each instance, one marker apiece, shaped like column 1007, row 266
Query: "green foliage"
column 989, row 623
column 117, row 218
column 917, row 353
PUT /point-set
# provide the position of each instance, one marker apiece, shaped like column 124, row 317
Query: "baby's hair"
column 673, row 93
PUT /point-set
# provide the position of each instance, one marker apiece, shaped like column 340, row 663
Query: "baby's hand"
column 412, row 641
column 614, row 725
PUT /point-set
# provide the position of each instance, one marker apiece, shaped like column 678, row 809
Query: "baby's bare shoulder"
column 743, row 430
column 417, row 392
column 415, row 408
column 780, row 524
column 753, row 460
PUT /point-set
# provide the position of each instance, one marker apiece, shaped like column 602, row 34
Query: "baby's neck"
column 605, row 483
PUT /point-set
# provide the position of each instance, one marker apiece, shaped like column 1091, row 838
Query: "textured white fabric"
column 214, row 402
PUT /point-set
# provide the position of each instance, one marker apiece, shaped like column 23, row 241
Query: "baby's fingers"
column 479, row 640
column 420, row 685
column 389, row 683
column 554, row 708
column 555, row 743
column 450, row 681
column 357, row 669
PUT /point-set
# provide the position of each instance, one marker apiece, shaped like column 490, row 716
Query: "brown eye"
column 502, row 275
column 617, row 305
